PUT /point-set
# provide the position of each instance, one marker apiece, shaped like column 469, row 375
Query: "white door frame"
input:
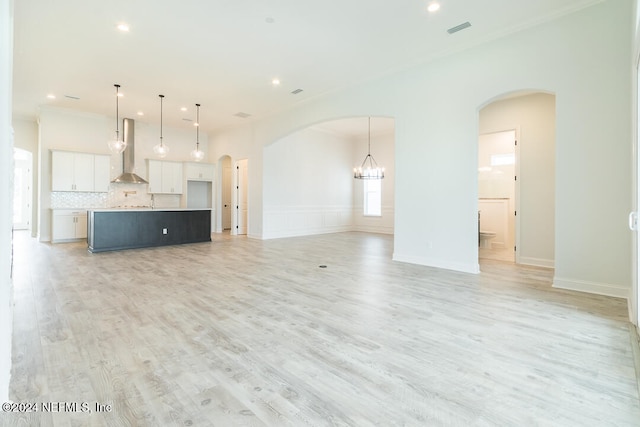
column 236, row 197
column 516, row 189
column 25, row 158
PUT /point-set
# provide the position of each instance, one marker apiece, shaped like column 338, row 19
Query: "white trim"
column 537, row 262
column 591, row 287
column 373, row 229
column 473, row 268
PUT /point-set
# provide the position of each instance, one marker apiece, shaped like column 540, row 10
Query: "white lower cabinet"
column 68, row 225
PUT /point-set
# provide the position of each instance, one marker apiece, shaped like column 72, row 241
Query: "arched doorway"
column 309, row 186
column 530, row 117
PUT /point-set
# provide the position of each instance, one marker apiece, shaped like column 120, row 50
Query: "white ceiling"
column 223, row 54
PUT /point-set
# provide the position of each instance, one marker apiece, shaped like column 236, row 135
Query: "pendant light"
column 161, row 148
column 370, row 170
column 117, row 145
column 197, row 154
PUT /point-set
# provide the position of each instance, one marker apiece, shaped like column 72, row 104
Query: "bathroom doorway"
column 532, row 116
column 497, row 195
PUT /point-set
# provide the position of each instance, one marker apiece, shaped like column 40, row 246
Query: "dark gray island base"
column 110, row 230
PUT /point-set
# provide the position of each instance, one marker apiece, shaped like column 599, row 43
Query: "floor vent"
column 458, row 27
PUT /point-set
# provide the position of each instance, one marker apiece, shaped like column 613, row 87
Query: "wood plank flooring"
column 241, row 332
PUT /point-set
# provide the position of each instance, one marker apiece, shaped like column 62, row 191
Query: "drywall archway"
column 308, row 184
column 532, row 115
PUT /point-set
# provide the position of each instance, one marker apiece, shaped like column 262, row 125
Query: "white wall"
column 635, row 295
column 75, row 131
column 6, row 188
column 307, row 180
column 583, row 58
column 534, row 116
column 26, row 138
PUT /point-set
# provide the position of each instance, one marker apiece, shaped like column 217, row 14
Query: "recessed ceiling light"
column 123, row 27
column 275, row 82
column 183, row 109
column 51, row 96
column 433, row 6
column 120, row 94
column 140, row 113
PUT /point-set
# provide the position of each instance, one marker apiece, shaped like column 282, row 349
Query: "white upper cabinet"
column 79, row 172
column 101, row 173
column 199, row 171
column 164, row 177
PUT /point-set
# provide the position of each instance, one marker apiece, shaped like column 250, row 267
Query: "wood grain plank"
column 246, row 332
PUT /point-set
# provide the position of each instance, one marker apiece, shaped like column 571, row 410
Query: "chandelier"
column 369, row 168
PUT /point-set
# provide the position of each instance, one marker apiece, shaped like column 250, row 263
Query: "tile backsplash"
column 74, row 200
column 119, row 196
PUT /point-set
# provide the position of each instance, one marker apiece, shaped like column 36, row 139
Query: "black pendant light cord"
column 372, row 161
column 161, row 97
column 117, row 112
column 197, row 127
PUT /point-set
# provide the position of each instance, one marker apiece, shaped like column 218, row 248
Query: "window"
column 503, row 159
column 372, row 197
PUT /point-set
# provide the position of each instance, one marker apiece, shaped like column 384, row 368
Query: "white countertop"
column 142, row 209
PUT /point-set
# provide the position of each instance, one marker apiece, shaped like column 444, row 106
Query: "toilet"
column 485, row 239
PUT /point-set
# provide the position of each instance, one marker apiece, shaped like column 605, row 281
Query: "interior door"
column 241, row 207
column 226, row 197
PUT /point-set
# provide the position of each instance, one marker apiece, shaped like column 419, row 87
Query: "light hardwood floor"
column 241, row 332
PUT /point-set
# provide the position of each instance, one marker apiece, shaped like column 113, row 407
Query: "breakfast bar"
column 116, row 229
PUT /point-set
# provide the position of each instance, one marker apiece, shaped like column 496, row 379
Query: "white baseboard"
column 370, row 229
column 307, row 232
column 473, row 268
column 591, row 287
column 537, row 262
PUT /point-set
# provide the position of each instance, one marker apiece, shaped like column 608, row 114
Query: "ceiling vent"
column 297, row 91
column 242, row 115
column 458, row 27
column 72, row 97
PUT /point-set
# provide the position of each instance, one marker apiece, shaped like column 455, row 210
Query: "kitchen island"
column 116, row 229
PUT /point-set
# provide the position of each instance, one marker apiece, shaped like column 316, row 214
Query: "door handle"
column 633, row 221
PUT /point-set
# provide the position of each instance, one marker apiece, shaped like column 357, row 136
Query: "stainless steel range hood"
column 128, row 156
